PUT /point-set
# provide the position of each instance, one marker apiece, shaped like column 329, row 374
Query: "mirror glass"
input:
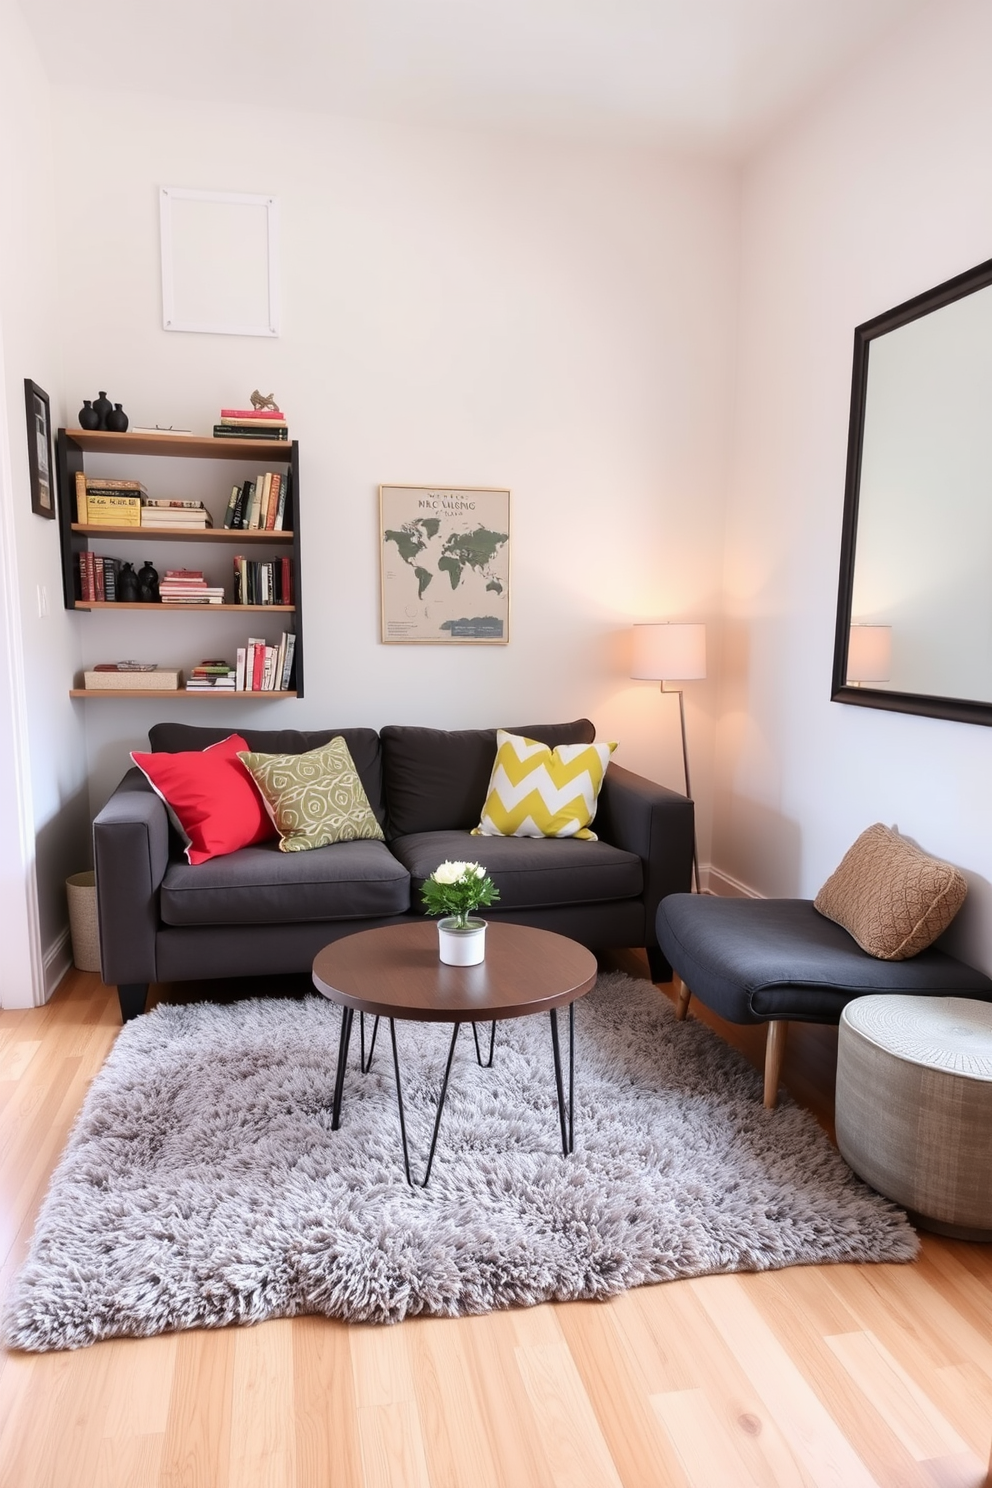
column 914, row 615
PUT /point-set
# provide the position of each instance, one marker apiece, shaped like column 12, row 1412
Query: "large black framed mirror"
column 914, row 607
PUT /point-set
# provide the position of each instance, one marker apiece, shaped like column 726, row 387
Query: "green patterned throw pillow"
column 315, row 798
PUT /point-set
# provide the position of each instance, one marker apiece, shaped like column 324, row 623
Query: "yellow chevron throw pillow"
column 535, row 791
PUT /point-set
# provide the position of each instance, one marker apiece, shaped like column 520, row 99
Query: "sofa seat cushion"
column 530, row 872
column 263, row 886
column 754, row 959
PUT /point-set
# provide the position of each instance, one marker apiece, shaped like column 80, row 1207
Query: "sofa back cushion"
column 363, row 746
column 436, row 779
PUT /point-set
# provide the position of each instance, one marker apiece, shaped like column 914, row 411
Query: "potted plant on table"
column 455, row 890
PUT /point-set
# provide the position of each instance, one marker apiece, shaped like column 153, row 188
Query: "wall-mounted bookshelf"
column 74, row 445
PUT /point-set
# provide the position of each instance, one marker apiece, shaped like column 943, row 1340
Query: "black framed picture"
column 39, row 416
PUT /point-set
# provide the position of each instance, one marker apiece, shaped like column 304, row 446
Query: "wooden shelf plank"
column 174, row 692
column 184, row 534
column 193, row 446
column 196, row 609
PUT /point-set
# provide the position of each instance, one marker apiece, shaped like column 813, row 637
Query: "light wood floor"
column 847, row 1376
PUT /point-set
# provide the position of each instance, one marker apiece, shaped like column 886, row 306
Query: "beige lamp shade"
column 869, row 653
column 668, row 651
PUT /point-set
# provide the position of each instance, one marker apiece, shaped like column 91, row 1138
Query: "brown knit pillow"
column 893, row 898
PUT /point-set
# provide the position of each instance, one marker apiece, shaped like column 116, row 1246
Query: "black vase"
column 148, row 584
column 128, row 591
column 88, row 416
column 101, row 407
column 116, row 419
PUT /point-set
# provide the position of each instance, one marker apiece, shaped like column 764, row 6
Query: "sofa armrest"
column 130, row 856
column 656, row 824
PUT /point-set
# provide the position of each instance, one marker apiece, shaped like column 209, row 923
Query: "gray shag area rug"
column 202, row 1184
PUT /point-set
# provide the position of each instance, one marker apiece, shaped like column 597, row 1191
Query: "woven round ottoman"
column 914, row 1106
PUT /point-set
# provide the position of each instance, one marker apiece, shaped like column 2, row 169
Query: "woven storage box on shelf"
column 80, row 890
column 914, row 1106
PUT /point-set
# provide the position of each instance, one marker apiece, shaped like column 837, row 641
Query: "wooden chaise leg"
column 774, row 1055
column 132, row 997
column 682, row 1005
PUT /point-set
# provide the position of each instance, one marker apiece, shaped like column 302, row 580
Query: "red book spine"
column 287, row 580
column 252, row 413
column 258, row 667
column 99, row 592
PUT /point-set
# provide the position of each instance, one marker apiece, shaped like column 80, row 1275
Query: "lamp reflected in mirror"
column 666, row 652
column 869, row 654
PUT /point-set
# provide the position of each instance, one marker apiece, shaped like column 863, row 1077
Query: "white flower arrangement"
column 458, row 889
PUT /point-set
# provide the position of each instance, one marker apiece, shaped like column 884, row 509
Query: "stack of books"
column 265, row 668
column 211, row 676
column 97, row 578
column 108, row 503
column 263, row 581
column 165, row 514
column 188, row 586
column 259, row 505
column 252, row 423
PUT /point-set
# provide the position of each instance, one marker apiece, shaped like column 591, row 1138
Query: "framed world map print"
column 445, row 565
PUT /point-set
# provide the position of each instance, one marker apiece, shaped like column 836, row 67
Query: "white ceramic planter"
column 461, row 945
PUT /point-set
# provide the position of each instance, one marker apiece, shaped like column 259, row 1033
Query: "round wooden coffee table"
column 394, row 972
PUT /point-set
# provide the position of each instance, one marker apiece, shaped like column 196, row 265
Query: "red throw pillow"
column 211, row 797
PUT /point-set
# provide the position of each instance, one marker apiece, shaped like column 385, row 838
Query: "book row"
column 253, row 505
column 262, row 581
column 256, row 582
column 264, row 668
column 260, row 505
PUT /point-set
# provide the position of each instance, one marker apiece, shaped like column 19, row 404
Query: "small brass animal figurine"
column 258, row 401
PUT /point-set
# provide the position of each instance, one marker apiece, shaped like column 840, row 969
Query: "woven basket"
column 81, row 891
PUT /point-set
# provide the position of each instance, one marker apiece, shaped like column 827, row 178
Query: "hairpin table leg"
column 567, row 1123
column 440, row 1105
column 484, row 1064
column 367, row 1064
column 347, row 1015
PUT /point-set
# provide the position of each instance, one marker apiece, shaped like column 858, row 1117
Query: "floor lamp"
column 672, row 652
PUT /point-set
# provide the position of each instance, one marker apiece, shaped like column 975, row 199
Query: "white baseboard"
column 724, row 886
column 56, row 961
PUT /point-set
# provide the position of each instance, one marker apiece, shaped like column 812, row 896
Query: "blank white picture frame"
column 220, row 262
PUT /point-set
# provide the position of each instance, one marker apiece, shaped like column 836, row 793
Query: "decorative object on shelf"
column 101, row 407
column 39, row 417
column 148, row 584
column 445, row 564
column 667, row 652
column 454, row 890
column 158, row 679
column 87, row 417
column 116, row 420
column 263, row 400
column 128, row 589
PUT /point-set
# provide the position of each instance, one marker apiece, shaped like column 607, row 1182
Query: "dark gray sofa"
column 260, row 911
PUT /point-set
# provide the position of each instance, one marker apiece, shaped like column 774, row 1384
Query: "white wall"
column 458, row 308
column 44, row 825
column 881, row 192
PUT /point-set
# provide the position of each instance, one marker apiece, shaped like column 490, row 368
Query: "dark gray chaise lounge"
column 778, row 961
column 260, row 911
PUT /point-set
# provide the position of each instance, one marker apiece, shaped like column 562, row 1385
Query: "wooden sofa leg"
column 774, row 1055
column 682, row 1005
column 132, row 997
